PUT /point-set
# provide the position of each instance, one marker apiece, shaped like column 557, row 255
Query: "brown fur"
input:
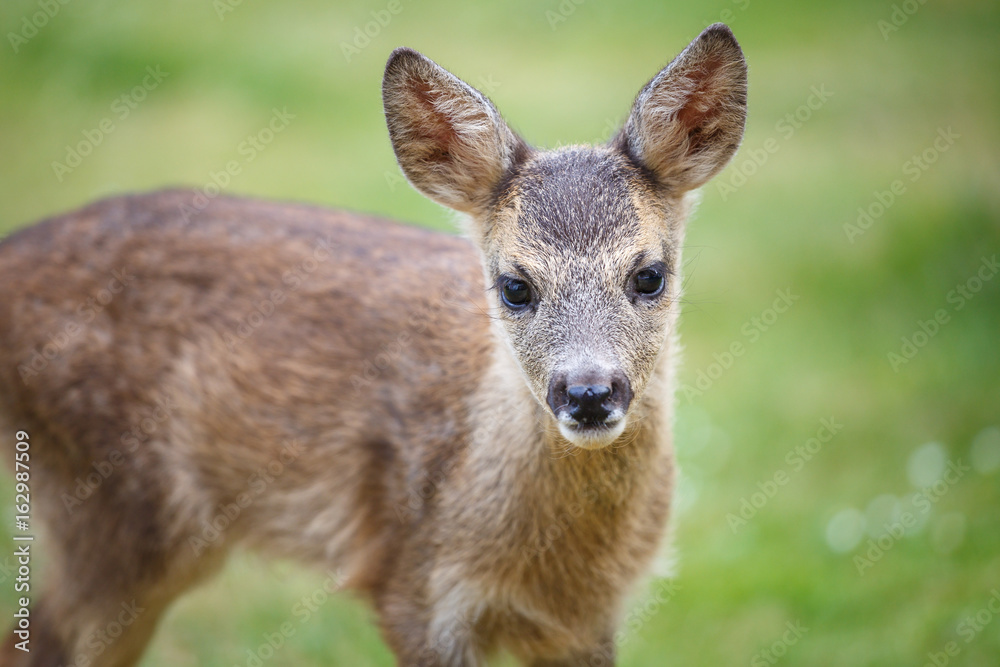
column 349, row 387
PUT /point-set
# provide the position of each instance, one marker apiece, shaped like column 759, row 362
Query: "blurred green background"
column 772, row 531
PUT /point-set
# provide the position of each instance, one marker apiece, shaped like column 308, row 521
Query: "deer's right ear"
column 449, row 139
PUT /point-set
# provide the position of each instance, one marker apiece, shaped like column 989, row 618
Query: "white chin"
column 592, row 438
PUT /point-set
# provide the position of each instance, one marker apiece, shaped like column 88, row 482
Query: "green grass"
column 783, row 229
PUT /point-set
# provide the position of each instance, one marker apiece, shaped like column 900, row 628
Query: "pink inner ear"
column 704, row 98
column 432, row 125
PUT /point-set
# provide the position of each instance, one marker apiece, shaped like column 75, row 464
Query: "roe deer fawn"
column 412, row 408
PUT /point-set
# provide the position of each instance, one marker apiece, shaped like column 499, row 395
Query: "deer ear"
column 449, row 139
column 687, row 122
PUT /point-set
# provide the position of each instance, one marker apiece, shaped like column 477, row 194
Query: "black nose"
column 586, row 402
column 589, row 397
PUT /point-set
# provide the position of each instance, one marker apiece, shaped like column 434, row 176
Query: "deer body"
column 492, row 468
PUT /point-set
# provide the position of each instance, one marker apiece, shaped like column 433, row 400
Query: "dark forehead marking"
column 578, row 198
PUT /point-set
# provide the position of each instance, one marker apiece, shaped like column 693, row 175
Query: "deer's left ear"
column 688, row 121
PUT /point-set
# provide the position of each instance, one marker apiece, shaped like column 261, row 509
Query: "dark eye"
column 649, row 282
column 516, row 293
